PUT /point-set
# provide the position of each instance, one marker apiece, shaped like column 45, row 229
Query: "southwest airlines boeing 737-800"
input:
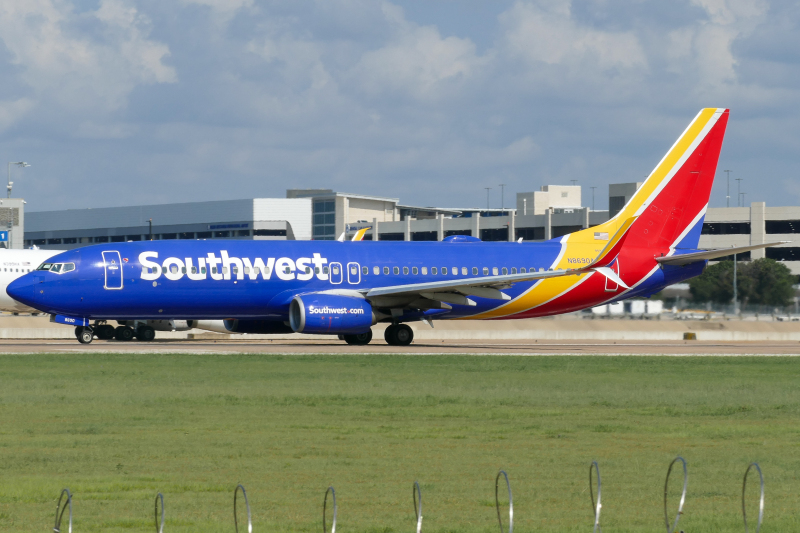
column 343, row 288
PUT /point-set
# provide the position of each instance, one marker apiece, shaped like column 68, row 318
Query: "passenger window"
column 213, row 270
column 415, row 271
column 365, row 270
column 494, row 271
column 194, row 270
column 256, row 270
column 324, row 270
column 514, row 270
column 174, row 269
column 444, row 271
column 396, row 270
column 287, row 270
column 405, row 271
column 308, row 270
column 474, row 271
column 203, row 270
column 386, row 271
column 183, row 270
column 522, row 270
column 246, row 270
column 316, row 270
column 335, row 270
column 225, row 270
column 485, row 271
column 424, row 271
column 505, row 271
column 434, row 270
column 463, row 271
column 376, row 270
column 455, row 271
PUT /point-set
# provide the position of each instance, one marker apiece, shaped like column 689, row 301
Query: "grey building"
column 12, row 221
column 255, row 219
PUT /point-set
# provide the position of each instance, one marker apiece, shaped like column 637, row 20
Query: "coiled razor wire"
column 760, row 501
column 596, row 506
column 683, row 494
column 510, row 502
column 159, row 527
column 247, row 504
column 325, row 511
column 61, row 509
column 417, row 494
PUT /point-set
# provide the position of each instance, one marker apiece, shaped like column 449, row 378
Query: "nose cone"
column 21, row 289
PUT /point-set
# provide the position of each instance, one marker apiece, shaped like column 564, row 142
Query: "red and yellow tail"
column 665, row 214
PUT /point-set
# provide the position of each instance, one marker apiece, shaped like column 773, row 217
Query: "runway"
column 485, row 347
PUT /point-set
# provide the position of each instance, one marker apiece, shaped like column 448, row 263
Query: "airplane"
column 344, row 288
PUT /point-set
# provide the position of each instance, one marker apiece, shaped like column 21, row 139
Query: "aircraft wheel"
column 388, row 334
column 123, row 333
column 86, row 336
column 402, row 335
column 105, row 332
column 359, row 339
column 78, row 331
column 146, row 333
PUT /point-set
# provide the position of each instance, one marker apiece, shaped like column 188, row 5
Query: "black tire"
column 388, row 334
column 402, row 335
column 123, row 333
column 86, row 336
column 78, row 330
column 359, row 339
column 146, row 333
column 341, row 336
column 105, row 332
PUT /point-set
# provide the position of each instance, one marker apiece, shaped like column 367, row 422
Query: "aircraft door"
column 113, row 267
column 336, row 273
column 353, row 273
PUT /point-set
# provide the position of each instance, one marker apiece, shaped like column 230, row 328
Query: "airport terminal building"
column 324, row 214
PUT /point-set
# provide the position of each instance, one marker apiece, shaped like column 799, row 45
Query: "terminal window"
column 726, row 228
column 782, row 226
column 324, row 220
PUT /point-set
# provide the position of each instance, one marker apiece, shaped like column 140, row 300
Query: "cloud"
column 82, row 72
column 548, row 33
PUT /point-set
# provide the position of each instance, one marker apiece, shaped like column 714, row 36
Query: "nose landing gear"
column 85, row 334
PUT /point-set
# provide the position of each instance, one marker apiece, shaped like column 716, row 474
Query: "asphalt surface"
column 300, row 346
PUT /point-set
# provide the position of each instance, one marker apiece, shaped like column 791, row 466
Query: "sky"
column 127, row 102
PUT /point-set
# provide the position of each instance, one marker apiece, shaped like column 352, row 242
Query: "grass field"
column 116, row 429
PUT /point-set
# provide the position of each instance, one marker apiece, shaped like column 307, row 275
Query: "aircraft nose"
column 21, row 289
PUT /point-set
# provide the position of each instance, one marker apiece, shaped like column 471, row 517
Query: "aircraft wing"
column 705, row 255
column 457, row 291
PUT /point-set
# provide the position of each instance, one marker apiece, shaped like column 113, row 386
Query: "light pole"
column 739, row 190
column 503, row 196
column 742, row 195
column 728, row 197
column 487, row 196
column 21, row 164
column 735, row 291
column 593, row 188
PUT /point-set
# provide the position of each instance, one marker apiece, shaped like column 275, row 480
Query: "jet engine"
column 333, row 314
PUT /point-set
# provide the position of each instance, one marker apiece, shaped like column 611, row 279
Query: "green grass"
column 116, row 429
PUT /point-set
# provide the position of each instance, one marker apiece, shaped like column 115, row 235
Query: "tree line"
column 760, row 282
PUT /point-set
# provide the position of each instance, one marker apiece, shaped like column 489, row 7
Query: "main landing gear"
column 105, row 332
column 398, row 335
column 358, row 339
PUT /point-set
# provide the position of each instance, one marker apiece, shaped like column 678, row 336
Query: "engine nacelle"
column 333, row 314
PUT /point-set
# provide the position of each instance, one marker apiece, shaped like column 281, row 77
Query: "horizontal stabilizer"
column 705, row 255
column 610, row 274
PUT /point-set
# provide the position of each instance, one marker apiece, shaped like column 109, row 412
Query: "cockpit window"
column 58, row 268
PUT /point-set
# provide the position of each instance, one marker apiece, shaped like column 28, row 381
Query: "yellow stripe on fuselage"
column 582, row 244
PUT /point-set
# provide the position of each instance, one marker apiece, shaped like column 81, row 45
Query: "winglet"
column 611, row 250
column 359, row 235
column 341, row 237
